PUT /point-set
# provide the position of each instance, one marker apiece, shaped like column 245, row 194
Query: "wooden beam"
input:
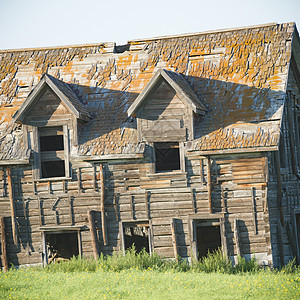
column 12, row 206
column 279, row 186
column 103, row 217
column 223, row 237
column 3, row 244
column 131, row 207
column 174, row 238
column 70, row 200
column 253, row 209
column 209, row 184
column 116, row 200
column 237, row 237
column 40, row 211
column 91, row 218
column 223, row 196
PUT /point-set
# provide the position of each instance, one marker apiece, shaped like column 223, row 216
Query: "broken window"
column 137, row 234
column 61, row 246
column 53, row 152
column 208, row 236
column 167, row 157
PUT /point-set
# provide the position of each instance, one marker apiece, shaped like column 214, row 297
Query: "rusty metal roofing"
column 240, row 75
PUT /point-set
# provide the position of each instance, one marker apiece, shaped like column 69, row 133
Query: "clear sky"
column 39, row 23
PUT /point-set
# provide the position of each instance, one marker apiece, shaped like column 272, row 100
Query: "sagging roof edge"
column 133, row 41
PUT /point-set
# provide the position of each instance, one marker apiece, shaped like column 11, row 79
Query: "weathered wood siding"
column 233, row 180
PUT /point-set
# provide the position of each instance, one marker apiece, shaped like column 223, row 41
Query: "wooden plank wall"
column 233, row 179
column 284, row 185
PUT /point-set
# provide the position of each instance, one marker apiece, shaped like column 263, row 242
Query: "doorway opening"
column 208, row 236
column 137, row 234
column 61, row 246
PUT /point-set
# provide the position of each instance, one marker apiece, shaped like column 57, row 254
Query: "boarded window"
column 167, row 157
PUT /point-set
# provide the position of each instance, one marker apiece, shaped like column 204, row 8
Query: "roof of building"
column 240, row 76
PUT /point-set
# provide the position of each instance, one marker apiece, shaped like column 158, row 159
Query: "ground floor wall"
column 226, row 192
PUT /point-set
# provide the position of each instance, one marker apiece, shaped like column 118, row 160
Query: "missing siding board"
column 167, row 157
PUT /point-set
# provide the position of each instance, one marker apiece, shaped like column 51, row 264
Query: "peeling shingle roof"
column 240, row 75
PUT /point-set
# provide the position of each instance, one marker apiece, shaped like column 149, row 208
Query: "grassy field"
column 146, row 284
column 143, row 276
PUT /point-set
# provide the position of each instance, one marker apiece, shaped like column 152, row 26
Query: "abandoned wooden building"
column 178, row 144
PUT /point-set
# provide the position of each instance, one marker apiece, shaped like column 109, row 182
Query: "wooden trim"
column 122, row 238
column 12, row 206
column 200, row 153
column 110, row 157
column 223, row 237
column 66, row 150
column 3, row 245
column 9, row 162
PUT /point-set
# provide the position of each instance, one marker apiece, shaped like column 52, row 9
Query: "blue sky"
column 32, row 23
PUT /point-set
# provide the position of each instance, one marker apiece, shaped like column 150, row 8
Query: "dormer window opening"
column 51, row 141
column 167, row 156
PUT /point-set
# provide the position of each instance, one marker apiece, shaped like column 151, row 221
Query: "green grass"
column 141, row 276
column 146, row 284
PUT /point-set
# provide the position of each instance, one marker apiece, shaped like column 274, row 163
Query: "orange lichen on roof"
column 240, row 75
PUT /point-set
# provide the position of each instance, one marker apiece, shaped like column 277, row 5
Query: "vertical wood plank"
column 174, row 238
column 223, row 202
column 122, row 240
column 237, row 237
column 253, row 209
column 279, row 186
column 24, row 203
column 103, row 217
column 79, row 180
column 209, row 184
column 193, row 196
column 131, row 207
column 201, row 170
column 12, row 206
column 116, row 200
column 40, row 211
column 91, row 218
column 223, row 237
column 280, row 244
column 66, row 150
column 70, row 210
column 3, row 244
column 147, row 194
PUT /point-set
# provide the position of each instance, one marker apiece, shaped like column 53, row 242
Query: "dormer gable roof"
column 178, row 83
column 64, row 93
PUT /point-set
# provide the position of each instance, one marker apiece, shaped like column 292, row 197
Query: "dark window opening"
column 167, row 157
column 61, row 246
column 138, row 236
column 54, row 168
column 208, row 237
column 52, row 143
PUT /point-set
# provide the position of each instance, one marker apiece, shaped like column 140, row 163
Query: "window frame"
column 181, row 159
column 64, row 154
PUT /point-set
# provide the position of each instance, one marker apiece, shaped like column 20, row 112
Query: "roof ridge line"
column 56, row 47
column 207, row 32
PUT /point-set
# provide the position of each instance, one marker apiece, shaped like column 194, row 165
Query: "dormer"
column 50, row 116
column 165, row 109
column 165, row 112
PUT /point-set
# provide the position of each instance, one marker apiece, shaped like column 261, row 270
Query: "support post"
column 12, row 206
column 174, row 238
column 3, row 244
column 147, row 194
column 91, row 217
